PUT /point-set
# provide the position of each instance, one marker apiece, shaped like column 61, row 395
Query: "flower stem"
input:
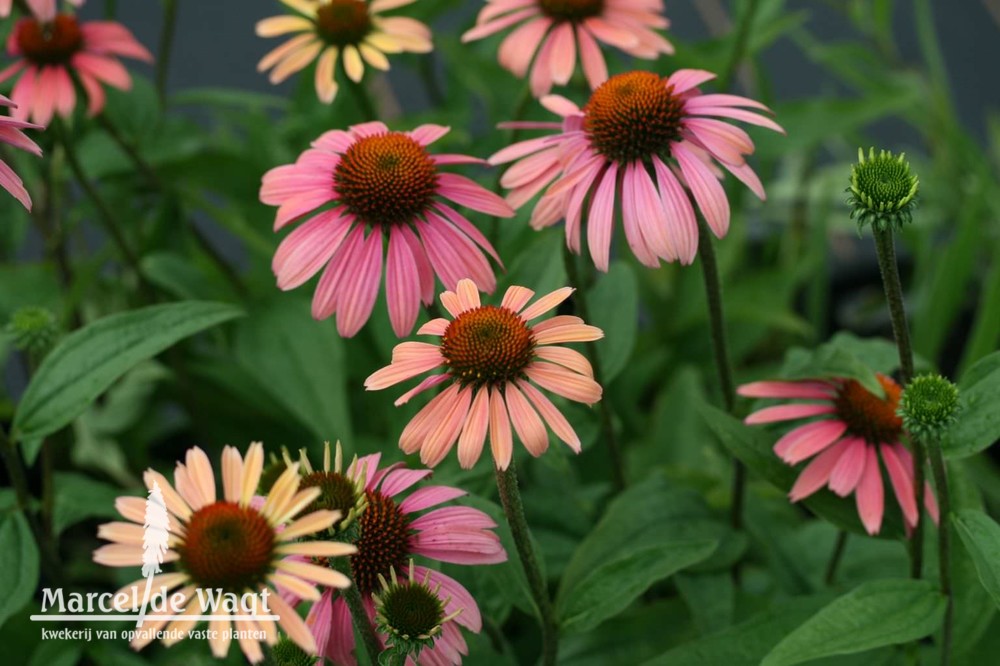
column 104, row 214
column 363, row 99
column 166, row 48
column 713, row 294
column 510, row 498
column 359, row 615
column 607, row 423
column 885, row 248
column 944, row 545
column 740, row 44
column 110, row 9
column 835, row 557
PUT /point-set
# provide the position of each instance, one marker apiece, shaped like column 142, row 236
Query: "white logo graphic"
column 155, row 534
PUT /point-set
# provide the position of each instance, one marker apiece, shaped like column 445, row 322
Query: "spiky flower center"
column 571, row 10
column 868, row 416
column 336, row 493
column 410, row 609
column 883, row 182
column 929, row 405
column 288, row 653
column 383, row 544
column 49, row 43
column 386, row 179
column 343, row 22
column 633, row 116
column 227, row 546
column 487, row 345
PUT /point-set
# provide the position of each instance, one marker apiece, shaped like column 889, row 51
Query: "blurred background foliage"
column 794, row 268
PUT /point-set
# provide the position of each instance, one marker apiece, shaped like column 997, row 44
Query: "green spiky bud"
column 34, row 330
column 410, row 612
column 287, row 653
column 883, row 192
column 928, row 406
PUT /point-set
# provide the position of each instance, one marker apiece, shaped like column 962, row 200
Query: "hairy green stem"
column 740, row 44
column 885, row 248
column 510, row 498
column 357, row 608
column 104, row 215
column 944, row 545
column 835, row 557
column 166, row 48
column 618, row 475
column 723, row 365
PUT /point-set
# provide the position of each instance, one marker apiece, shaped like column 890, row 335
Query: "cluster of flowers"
column 368, row 200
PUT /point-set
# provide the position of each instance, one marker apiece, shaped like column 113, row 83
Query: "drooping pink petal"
column 787, row 413
column 817, row 473
column 869, row 495
column 808, row 440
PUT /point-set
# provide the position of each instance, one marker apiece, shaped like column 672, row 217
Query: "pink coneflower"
column 45, row 10
column 390, row 530
column 856, row 428
column 360, row 187
column 492, row 358
column 52, row 52
column 232, row 543
column 352, row 30
column 11, row 133
column 636, row 143
column 558, row 29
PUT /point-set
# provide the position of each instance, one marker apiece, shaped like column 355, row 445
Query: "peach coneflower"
column 232, row 543
column 52, row 52
column 855, row 430
column 557, row 30
column 12, row 134
column 381, row 185
column 493, row 357
column 389, row 531
column 635, row 144
column 352, row 30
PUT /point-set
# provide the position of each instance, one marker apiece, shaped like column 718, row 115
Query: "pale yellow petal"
column 374, row 57
column 276, row 26
column 352, row 64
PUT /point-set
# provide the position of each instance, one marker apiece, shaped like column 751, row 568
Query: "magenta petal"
column 816, row 473
column 869, row 495
column 847, row 473
column 705, row 187
column 787, row 413
column 429, row 496
column 399, row 480
column 901, row 477
column 808, row 440
column 402, row 285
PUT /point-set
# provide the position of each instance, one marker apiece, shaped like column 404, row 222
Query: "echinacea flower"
column 12, row 134
column 633, row 147
column 230, row 543
column 855, row 430
column 352, row 30
column 883, row 191
column 388, row 532
column 51, row 53
column 352, row 190
column 492, row 357
column 558, row 30
column 45, row 10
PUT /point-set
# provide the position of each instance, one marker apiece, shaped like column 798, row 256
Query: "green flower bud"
column 288, row 653
column 410, row 613
column 883, row 192
column 928, row 406
column 34, row 330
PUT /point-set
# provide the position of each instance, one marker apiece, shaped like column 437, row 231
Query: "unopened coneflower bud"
column 287, row 653
column 34, row 329
column 883, row 191
column 410, row 612
column 929, row 406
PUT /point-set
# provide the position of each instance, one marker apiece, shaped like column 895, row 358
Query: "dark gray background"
column 216, row 44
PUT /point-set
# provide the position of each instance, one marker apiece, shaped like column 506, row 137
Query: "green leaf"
column 978, row 423
column 614, row 308
column 88, row 361
column 753, row 446
column 18, row 564
column 609, row 589
column 78, row 497
column 746, row 643
column 876, row 614
column 309, row 375
column 844, row 356
column 981, row 536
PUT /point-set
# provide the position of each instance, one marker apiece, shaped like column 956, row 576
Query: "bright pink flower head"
column 390, row 531
column 231, row 541
column 493, row 356
column 45, row 10
column 12, row 134
column 559, row 29
column 51, row 53
column 635, row 145
column 355, row 189
column 855, row 429
column 352, row 30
